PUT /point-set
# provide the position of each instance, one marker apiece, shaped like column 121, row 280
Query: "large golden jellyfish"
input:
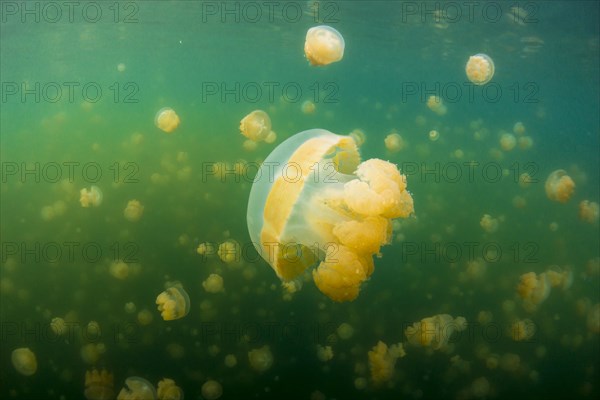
column 24, row 361
column 324, row 45
column 313, row 202
column 137, row 388
column 480, row 69
column 173, row 303
column 559, row 186
column 166, row 120
column 256, row 126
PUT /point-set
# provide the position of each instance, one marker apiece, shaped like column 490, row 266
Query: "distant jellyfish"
column 92, row 197
column 121, row 67
column 137, row 388
column 480, row 69
column 345, row 331
column 308, row 107
column 394, row 142
column 119, row 269
column 589, row 211
column 249, row 145
column 271, row 137
column 324, row 45
column 256, row 126
column 489, row 224
column 261, row 359
column 229, row 251
column 211, row 390
column 434, row 331
column 144, row 317
column 213, row 284
column 24, row 361
column 134, row 210
column 559, row 186
column 166, row 120
column 382, row 361
column 508, row 141
column 434, row 135
column 519, row 128
column 99, row 385
column 173, row 303
column 523, row 329
column 58, row 326
column 230, row 361
column 168, row 390
column 593, row 319
column 533, row 289
column 324, row 353
column 320, row 206
column 436, row 104
column 525, row 142
column 359, row 137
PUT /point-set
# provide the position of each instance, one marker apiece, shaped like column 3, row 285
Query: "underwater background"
column 78, row 285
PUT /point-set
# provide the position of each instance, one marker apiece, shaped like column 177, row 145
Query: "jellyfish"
column 58, row 326
column 211, row 390
column 434, row 331
column 137, row 388
column 434, row 135
column 99, row 385
column 119, row 269
column 24, row 361
column 173, row 303
column 533, row 289
column 314, row 204
column 560, row 277
column 324, row 353
column 324, row 45
column 166, row 120
column 230, row 360
column 436, row 104
column 489, row 224
column 134, row 210
column 92, row 197
column 382, row 361
column 359, row 136
column 589, row 211
column 213, row 284
column 168, row 390
column 559, row 186
column 345, row 331
column 593, row 319
column 508, row 141
column 261, row 359
column 523, row 329
column 394, row 142
column 308, row 107
column 519, row 128
column 480, row 69
column 256, row 126
column 229, row 251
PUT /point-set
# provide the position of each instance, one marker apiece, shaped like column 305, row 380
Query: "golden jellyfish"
column 324, row 353
column 256, row 126
column 315, row 204
column 434, row 135
column 508, row 141
column 308, row 107
column 523, row 329
column 168, row 390
column 560, row 277
column 144, row 317
column 434, row 331
column 324, row 45
column 211, row 390
column 261, row 359
column 230, row 360
column 92, row 197
column 137, row 388
column 518, row 128
column 119, row 269
column 229, row 251
column 394, row 142
column 345, row 331
column 436, row 104
column 589, row 211
column 533, row 289
column 559, row 186
column 24, row 361
column 58, row 326
column 382, row 361
column 489, row 224
column 213, row 284
column 480, row 69
column 525, row 142
column 166, row 120
column 173, row 303
column 359, row 136
column 99, row 385
column 134, row 210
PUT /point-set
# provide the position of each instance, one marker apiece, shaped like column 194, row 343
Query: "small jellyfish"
column 308, row 107
column 324, row 45
column 166, row 120
column 119, row 269
column 359, row 136
column 173, row 303
column 99, row 385
column 559, row 186
column 525, row 142
column 593, row 319
column 298, row 219
column 489, row 224
column 508, row 141
column 230, row 361
column 144, row 317
column 533, row 289
column 261, row 359
column 521, row 330
column 211, row 390
column 134, row 210
column 271, row 137
column 434, row 331
column 256, row 126
column 345, row 331
column 324, row 353
column 394, row 142
column 436, row 104
column 382, row 361
column 480, row 69
column 24, row 361
column 519, row 128
column 92, row 197
column 229, row 251
column 213, row 284
column 434, row 135
column 137, row 388
column 589, row 211
column 168, row 390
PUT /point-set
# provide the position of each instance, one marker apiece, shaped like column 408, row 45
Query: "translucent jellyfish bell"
column 314, row 203
column 256, row 126
column 559, row 186
column 137, row 388
column 324, row 45
column 166, row 120
column 480, row 69
column 173, row 303
column 24, row 361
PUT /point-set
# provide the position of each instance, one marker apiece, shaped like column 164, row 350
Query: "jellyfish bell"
column 256, row 126
column 168, row 390
column 173, row 303
column 92, row 197
column 559, row 186
column 137, row 388
column 316, row 204
column 166, row 120
column 480, row 69
column 24, row 361
column 324, row 45
column 99, row 385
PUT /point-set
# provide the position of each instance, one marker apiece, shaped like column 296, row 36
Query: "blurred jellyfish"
column 298, row 219
column 436, row 104
column 168, row 390
column 211, row 390
column 230, row 361
column 533, row 289
column 480, row 388
column 92, row 197
column 521, row 330
column 271, row 137
column 434, row 135
column 308, row 107
column 593, row 319
column 166, row 120
column 525, row 142
column 489, row 224
column 394, row 142
column 229, row 251
column 508, row 141
column 173, row 303
column 324, row 45
column 559, row 186
column 119, row 269
column 99, row 385
column 345, row 331
column 24, row 361
column 144, row 317
column 589, row 211
column 134, row 210
column 58, row 326
column 121, row 67
column 261, row 359
column 382, row 361
column 213, row 284
column 434, row 331
column 359, row 137
column 519, row 128
column 249, row 145
column 324, row 353
column 560, row 277
column 480, row 69
column 137, row 388
column 256, row 126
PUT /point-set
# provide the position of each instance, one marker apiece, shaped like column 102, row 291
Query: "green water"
column 213, row 63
